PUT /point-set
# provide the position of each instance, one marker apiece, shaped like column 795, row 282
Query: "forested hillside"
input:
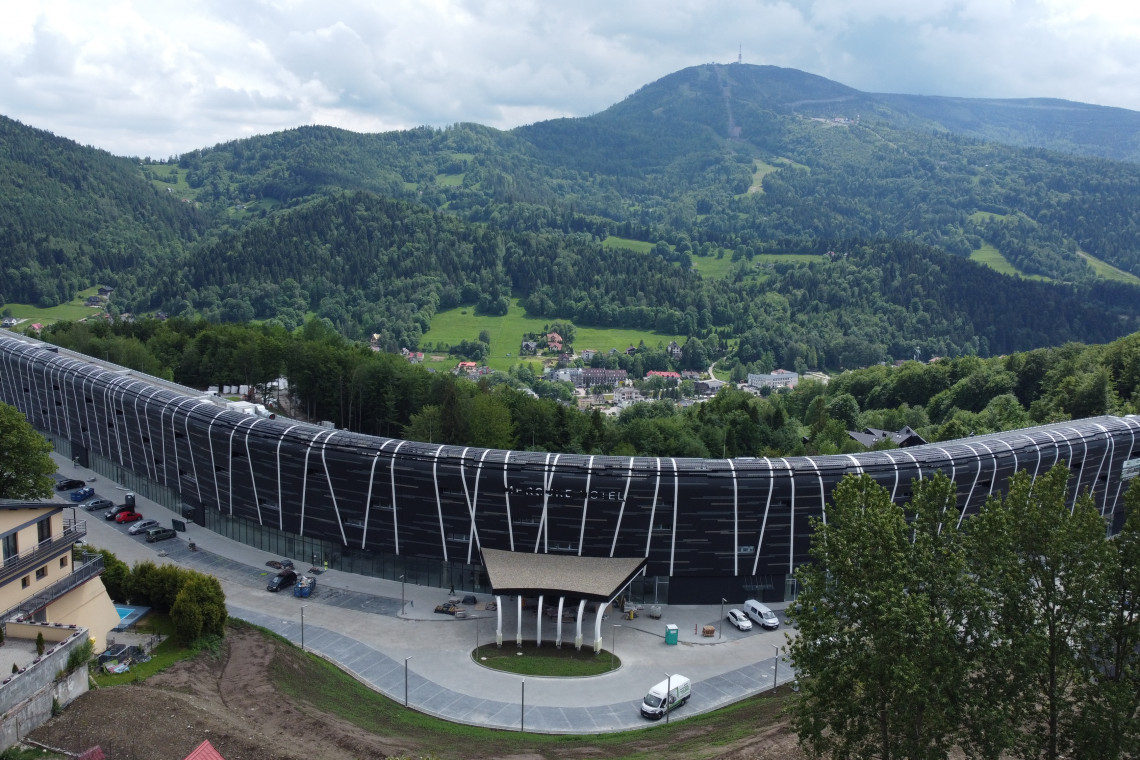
column 378, row 232
column 71, row 217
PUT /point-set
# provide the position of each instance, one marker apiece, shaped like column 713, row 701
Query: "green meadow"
column 73, row 311
column 456, row 325
column 1108, row 271
column 992, row 258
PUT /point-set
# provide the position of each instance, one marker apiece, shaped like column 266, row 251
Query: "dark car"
column 114, row 512
column 159, row 534
column 83, row 493
column 68, row 484
column 283, row 579
column 94, row 504
column 127, row 516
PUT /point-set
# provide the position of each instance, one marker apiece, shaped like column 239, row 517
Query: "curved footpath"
column 355, row 622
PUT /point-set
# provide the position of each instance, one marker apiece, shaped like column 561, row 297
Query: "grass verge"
column 530, row 660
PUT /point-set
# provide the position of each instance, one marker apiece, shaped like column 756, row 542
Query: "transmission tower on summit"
column 740, row 54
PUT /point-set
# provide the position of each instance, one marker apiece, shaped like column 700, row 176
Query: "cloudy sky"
column 149, row 77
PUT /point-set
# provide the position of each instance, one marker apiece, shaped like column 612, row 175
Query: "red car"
column 128, row 516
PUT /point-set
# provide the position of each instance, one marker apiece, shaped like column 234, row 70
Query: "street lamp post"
column 522, row 708
column 668, row 694
column 401, row 595
column 406, row 680
column 776, row 666
column 303, row 627
column 722, row 601
column 613, row 647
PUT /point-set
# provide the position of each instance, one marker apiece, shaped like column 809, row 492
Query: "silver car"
column 142, row 526
column 740, row 620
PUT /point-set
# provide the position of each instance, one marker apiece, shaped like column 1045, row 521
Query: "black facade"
column 709, row 528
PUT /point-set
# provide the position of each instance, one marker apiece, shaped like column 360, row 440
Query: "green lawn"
column 456, row 325
column 634, row 245
column 761, row 169
column 72, row 311
column 1108, row 271
column 992, row 258
column 530, row 660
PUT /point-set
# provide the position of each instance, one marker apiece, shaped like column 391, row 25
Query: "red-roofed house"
column 658, row 373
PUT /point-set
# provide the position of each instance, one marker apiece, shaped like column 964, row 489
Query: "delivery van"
column 761, row 615
column 666, row 696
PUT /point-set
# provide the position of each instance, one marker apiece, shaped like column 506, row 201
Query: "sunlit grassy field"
column 456, row 325
column 72, row 311
column 992, row 258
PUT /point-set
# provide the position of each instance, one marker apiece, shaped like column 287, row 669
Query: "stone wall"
column 26, row 697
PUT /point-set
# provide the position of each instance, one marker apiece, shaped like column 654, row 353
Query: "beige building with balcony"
column 41, row 582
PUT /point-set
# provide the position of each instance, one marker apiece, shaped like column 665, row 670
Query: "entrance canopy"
column 525, row 574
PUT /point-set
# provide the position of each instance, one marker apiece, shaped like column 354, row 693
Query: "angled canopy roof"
column 525, row 574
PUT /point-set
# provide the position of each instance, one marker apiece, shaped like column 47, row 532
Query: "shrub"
column 80, row 655
column 40, row 643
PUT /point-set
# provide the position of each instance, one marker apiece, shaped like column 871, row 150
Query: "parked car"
column 740, row 620
column 142, row 526
column 83, row 493
column 113, row 512
column 283, row 579
column 95, row 504
column 160, row 534
column 68, row 484
column 127, row 516
column 759, row 613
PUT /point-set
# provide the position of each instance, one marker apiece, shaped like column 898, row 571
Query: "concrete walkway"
column 356, row 622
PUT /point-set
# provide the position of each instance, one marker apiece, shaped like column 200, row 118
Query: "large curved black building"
column 708, row 528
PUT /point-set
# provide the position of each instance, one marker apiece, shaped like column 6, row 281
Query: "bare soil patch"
column 231, row 699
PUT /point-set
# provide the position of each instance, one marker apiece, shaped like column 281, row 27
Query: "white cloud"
column 138, row 77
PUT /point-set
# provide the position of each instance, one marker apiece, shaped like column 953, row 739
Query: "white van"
column 655, row 704
column 761, row 615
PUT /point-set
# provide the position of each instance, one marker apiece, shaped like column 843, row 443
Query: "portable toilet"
column 671, row 633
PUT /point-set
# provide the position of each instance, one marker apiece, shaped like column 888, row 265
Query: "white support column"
column 499, row 622
column 578, row 635
column 598, row 627
column 518, row 630
column 538, row 619
column 558, row 625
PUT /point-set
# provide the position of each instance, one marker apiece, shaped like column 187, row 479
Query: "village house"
column 588, row 354
column 674, row 350
column 626, row 395
column 663, row 374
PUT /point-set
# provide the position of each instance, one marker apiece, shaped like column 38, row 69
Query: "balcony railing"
column 91, row 566
column 18, row 564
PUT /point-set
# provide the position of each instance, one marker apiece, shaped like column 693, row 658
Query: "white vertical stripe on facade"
column 764, row 522
column 735, row 521
column 213, row 463
column 507, row 500
column 585, row 504
column 621, row 509
column 368, row 495
column 280, row 491
column 895, row 465
column 473, row 541
column 229, row 466
column 653, row 510
column 676, row 499
column 822, row 495
column 977, row 474
column 548, row 468
column 438, row 502
column 1081, row 471
column 395, row 521
column 190, row 451
column 149, row 457
column 332, row 490
column 305, row 478
column 1109, row 451
column 1129, row 421
column 791, row 516
column 252, row 476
